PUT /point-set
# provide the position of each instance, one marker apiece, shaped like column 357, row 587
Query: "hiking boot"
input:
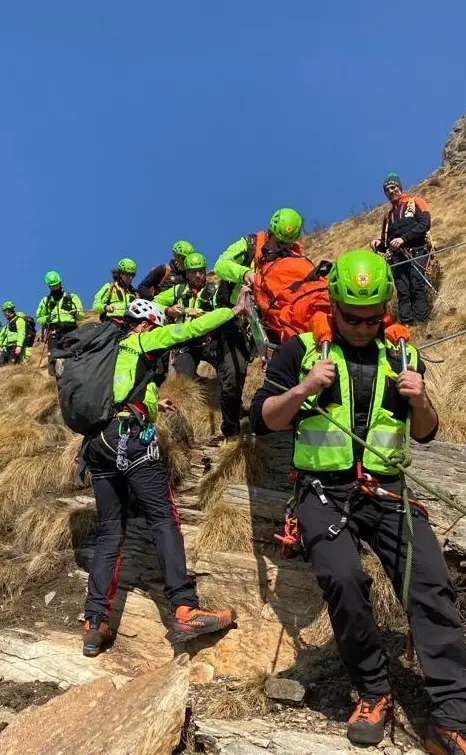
column 191, row 622
column 96, row 633
column 367, row 723
column 440, row 741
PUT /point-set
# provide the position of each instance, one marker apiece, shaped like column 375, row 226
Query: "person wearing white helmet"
column 124, row 457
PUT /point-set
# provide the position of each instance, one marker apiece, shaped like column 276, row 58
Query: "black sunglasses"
column 354, row 320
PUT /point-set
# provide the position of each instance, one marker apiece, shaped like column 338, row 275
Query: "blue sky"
column 126, row 125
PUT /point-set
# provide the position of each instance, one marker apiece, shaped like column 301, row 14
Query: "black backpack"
column 30, row 331
column 85, row 363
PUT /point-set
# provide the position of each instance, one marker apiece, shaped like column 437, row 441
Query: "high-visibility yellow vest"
column 320, row 446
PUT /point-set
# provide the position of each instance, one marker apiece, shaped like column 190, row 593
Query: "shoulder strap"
column 167, row 272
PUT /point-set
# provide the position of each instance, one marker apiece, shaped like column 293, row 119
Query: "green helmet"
column 8, row 305
column 183, row 248
column 127, row 266
column 195, row 261
column 286, row 225
column 361, row 278
column 52, row 278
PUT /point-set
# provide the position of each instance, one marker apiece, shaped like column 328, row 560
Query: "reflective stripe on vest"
column 320, row 446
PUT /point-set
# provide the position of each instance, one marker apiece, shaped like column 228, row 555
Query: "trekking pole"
column 442, row 340
column 325, row 349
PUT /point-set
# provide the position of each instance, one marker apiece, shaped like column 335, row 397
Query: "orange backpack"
column 288, row 291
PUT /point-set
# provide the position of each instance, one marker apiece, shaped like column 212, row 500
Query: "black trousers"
column 413, row 303
column 148, row 481
column 8, row 356
column 228, row 354
column 435, row 624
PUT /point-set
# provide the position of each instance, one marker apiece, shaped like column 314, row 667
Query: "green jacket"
column 14, row 332
column 66, row 309
column 320, row 446
column 232, row 265
column 113, row 293
column 132, row 364
column 205, row 299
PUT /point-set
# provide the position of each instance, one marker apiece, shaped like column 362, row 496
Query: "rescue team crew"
column 112, row 300
column 58, row 312
column 123, row 458
column 162, row 277
column 361, row 385
column 224, row 348
column 12, row 335
column 405, row 235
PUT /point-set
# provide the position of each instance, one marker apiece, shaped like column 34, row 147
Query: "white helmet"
column 141, row 309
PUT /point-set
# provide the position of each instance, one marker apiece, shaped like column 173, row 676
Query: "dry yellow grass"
column 247, row 699
column 225, row 528
column 43, row 527
column 242, row 460
column 19, row 572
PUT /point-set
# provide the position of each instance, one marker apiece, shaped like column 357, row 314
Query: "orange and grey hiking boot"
column 96, row 633
column 441, row 741
column 191, row 622
column 367, row 723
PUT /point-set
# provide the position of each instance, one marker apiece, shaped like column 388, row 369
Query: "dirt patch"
column 30, row 611
column 18, row 696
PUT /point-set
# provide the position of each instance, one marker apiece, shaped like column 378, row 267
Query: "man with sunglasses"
column 362, row 386
column 405, row 235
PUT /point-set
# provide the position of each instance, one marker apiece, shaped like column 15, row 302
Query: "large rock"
column 144, row 717
column 454, row 153
column 260, row 737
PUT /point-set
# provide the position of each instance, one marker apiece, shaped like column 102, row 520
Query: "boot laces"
column 367, row 707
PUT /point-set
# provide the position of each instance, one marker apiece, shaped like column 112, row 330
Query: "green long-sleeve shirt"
column 14, row 332
column 66, row 309
column 232, row 266
column 113, row 293
column 131, row 363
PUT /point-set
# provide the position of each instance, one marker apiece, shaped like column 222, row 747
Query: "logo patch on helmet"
column 363, row 279
column 289, row 228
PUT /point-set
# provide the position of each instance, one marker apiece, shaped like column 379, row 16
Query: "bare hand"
column 241, row 306
column 174, row 311
column 109, row 307
column 396, row 243
column 165, row 405
column 194, row 312
column 322, row 375
column 18, row 351
column 411, row 386
column 249, row 279
column 375, row 243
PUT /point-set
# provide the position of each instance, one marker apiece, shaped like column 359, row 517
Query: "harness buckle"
column 333, row 532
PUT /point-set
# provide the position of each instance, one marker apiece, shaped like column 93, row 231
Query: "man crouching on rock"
column 123, row 457
column 362, row 385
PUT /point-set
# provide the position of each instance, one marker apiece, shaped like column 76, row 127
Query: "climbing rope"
column 433, row 253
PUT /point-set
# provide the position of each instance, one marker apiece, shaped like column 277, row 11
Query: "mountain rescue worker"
column 237, row 264
column 112, row 300
column 225, row 349
column 163, row 277
column 362, row 385
column 124, row 457
column 13, row 335
column 405, row 235
column 60, row 311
